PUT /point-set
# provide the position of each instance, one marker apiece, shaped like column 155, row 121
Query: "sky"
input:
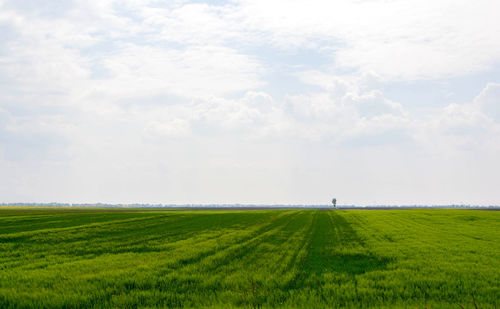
column 262, row 102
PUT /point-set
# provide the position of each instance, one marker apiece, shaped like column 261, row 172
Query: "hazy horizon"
column 251, row 102
column 240, row 206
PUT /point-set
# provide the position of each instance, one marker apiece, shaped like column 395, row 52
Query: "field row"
column 259, row 258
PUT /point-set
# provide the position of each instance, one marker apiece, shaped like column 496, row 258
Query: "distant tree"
column 334, row 202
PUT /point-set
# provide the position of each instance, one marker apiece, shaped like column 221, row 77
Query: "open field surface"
column 84, row 258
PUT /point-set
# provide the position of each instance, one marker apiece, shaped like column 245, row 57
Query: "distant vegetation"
column 128, row 258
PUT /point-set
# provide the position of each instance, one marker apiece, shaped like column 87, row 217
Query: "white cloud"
column 470, row 127
column 396, row 39
column 489, row 101
column 247, row 101
column 99, row 52
column 174, row 128
column 231, row 150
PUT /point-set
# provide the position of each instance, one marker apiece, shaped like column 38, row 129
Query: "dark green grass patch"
column 129, row 258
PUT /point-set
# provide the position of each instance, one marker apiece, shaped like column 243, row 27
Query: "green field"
column 85, row 258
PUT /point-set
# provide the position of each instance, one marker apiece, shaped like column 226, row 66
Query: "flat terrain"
column 84, row 258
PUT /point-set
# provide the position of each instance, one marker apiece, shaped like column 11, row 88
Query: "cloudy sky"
column 250, row 101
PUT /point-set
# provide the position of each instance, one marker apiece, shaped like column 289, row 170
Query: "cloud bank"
column 249, row 102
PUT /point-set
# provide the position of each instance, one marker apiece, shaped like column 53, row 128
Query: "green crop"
column 134, row 258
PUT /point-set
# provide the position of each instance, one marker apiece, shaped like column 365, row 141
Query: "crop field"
column 133, row 258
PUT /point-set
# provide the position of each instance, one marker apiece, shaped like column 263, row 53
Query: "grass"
column 130, row 258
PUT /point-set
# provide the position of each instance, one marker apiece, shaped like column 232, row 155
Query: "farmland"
column 129, row 258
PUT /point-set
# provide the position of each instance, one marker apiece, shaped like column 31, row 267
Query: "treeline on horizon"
column 243, row 206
